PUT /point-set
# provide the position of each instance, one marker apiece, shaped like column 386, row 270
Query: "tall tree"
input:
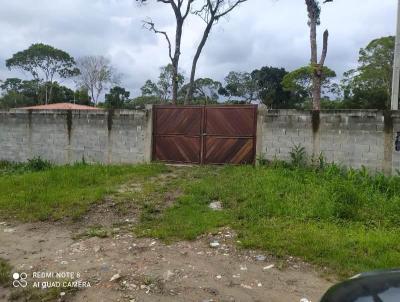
column 270, row 89
column 117, row 97
column 240, row 85
column 314, row 12
column 44, row 63
column 206, row 90
column 96, row 75
column 181, row 9
column 300, row 82
column 150, row 89
column 210, row 12
column 370, row 84
column 163, row 89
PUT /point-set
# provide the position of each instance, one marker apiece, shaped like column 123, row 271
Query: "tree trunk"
column 50, row 93
column 46, row 94
column 316, row 89
column 316, row 92
column 189, row 94
column 313, row 41
column 175, row 61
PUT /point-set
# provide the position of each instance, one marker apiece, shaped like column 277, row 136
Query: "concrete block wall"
column 354, row 138
column 66, row 136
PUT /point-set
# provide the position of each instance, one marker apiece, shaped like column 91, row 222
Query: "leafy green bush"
column 37, row 164
column 32, row 165
column 346, row 200
column 298, row 156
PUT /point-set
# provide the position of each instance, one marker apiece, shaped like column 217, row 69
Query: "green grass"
column 39, row 295
column 5, row 273
column 64, row 191
column 347, row 221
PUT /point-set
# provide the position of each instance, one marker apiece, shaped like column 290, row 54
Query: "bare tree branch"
column 181, row 12
column 314, row 11
column 210, row 12
column 324, row 48
column 151, row 26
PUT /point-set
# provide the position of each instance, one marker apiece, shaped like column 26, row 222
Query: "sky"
column 258, row 33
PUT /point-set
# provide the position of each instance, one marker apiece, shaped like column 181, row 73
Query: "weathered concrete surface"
column 354, row 138
column 66, row 136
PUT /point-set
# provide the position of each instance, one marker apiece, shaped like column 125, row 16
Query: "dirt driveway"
column 148, row 270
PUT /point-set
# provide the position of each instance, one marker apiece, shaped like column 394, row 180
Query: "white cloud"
column 259, row 33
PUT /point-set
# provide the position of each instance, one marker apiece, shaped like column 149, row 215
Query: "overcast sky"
column 258, row 33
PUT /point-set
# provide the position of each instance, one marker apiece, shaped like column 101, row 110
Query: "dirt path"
column 148, row 270
column 122, row 267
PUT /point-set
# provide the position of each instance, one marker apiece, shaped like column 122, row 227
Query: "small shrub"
column 261, row 160
column 4, row 164
column 97, row 231
column 298, row 156
column 347, row 201
column 319, row 162
column 38, row 164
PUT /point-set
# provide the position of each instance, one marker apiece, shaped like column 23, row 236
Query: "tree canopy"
column 370, row 84
column 300, row 82
column 163, row 89
column 117, row 97
column 44, row 63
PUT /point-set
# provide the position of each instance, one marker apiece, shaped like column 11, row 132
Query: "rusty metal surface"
column 228, row 150
column 205, row 134
column 179, row 149
column 229, row 121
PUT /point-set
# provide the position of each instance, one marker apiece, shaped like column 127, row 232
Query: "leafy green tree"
column 165, row 80
column 300, row 82
column 117, row 97
column 240, row 85
column 11, row 85
column 163, row 87
column 206, row 90
column 17, row 92
column 81, row 96
column 150, row 89
column 140, row 102
column 271, row 91
column 62, row 94
column 44, row 63
column 370, row 84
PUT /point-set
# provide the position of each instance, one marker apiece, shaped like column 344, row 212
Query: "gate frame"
column 202, row 126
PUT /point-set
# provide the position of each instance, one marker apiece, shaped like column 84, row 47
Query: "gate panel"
column 178, row 149
column 230, row 121
column 178, row 121
column 230, row 133
column 205, row 134
column 229, row 150
column 177, row 134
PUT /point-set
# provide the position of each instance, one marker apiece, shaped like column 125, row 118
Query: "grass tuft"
column 5, row 273
column 65, row 191
column 346, row 220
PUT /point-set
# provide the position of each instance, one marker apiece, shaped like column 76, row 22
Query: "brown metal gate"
column 205, row 134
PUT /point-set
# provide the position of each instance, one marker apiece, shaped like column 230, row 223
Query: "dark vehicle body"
column 379, row 286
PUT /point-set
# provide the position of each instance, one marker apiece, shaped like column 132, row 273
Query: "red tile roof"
column 61, row 106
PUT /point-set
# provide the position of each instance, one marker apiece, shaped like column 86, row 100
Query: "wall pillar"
column 148, row 136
